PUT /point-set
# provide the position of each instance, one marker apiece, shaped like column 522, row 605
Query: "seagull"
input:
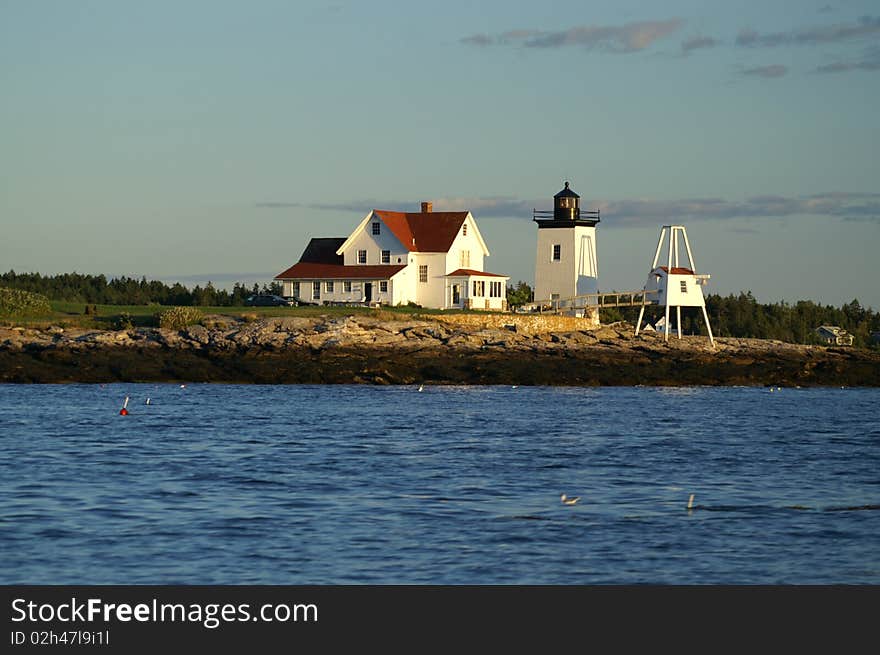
column 421, row 387
column 569, row 501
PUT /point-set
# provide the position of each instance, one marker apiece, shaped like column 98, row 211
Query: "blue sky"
column 195, row 140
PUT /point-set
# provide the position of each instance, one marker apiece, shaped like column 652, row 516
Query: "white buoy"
column 148, row 401
column 421, row 387
column 691, row 502
column 125, row 403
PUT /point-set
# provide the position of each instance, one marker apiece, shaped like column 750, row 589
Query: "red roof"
column 677, row 270
column 307, row 270
column 424, row 231
column 463, row 272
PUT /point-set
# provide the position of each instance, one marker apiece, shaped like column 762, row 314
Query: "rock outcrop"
column 445, row 350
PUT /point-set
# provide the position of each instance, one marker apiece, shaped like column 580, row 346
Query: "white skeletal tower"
column 674, row 285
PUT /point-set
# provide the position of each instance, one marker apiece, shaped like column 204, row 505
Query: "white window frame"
column 316, row 290
column 556, row 252
column 346, row 286
column 423, row 273
column 383, row 286
column 385, row 257
column 464, row 259
column 377, row 228
column 495, row 289
column 361, row 256
column 479, row 288
column 328, row 286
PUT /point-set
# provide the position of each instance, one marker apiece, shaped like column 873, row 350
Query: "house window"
column 464, row 230
column 386, row 256
column 362, row 256
column 423, row 273
column 383, row 286
column 495, row 289
column 329, row 286
column 376, row 228
column 464, row 258
column 296, row 289
column 346, row 286
column 684, row 286
column 316, row 290
column 557, row 252
column 479, row 288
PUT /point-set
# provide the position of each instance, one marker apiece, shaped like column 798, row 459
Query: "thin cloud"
column 697, row 43
column 774, row 70
column 851, row 206
column 631, row 37
column 633, row 212
column 869, row 62
column 478, row 40
column 864, row 27
column 490, row 206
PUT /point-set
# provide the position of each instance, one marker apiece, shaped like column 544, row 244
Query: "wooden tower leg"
column 666, row 325
column 639, row 322
column 678, row 319
column 708, row 327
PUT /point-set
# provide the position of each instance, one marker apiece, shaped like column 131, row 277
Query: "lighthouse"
column 566, row 268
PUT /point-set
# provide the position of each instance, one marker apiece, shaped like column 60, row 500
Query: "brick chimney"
column 427, row 207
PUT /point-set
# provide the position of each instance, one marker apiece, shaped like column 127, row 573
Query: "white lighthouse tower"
column 674, row 285
column 565, row 265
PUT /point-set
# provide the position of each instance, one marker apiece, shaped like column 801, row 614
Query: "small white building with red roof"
column 432, row 259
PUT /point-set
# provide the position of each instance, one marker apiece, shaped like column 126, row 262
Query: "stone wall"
column 526, row 323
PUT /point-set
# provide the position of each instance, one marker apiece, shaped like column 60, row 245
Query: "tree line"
column 97, row 289
column 741, row 315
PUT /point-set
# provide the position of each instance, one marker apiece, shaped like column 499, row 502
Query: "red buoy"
column 123, row 412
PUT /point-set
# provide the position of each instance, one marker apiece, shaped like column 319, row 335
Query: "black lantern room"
column 566, row 211
column 566, row 205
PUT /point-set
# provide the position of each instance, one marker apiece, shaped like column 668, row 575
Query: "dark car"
column 269, row 301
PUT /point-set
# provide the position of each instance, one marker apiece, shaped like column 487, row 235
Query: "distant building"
column 875, row 337
column 432, row 259
column 834, row 336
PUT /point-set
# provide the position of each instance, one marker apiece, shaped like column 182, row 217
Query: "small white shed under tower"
column 674, row 285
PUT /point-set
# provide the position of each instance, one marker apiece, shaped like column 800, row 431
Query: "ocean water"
column 242, row 484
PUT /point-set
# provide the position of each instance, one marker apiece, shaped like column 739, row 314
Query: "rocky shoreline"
column 464, row 349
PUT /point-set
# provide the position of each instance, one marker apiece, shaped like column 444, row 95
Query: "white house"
column 834, row 336
column 432, row 259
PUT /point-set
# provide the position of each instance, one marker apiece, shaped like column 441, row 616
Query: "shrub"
column 123, row 322
column 91, row 310
column 178, row 318
column 249, row 318
column 15, row 302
